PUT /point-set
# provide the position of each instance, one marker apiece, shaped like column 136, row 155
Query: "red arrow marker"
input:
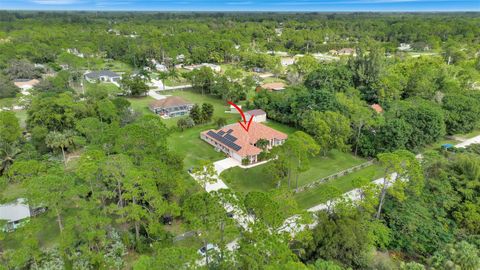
column 245, row 125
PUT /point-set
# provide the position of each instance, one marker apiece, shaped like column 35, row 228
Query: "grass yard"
column 109, row 87
column 322, row 193
column 258, row 179
column 470, row 134
column 273, row 80
column 11, row 193
column 7, row 102
column 116, row 66
column 140, row 104
column 189, row 144
column 175, row 82
column 22, row 117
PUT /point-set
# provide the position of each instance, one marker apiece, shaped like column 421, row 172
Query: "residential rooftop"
column 172, row 101
column 236, row 138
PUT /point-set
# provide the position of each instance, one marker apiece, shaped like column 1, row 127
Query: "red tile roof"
column 377, row 108
column 246, row 140
column 274, row 86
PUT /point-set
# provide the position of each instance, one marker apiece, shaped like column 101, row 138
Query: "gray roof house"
column 14, row 214
column 171, row 107
column 102, row 76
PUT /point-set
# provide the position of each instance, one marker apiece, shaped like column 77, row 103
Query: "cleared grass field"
column 194, row 150
column 259, row 179
column 140, row 104
column 322, row 193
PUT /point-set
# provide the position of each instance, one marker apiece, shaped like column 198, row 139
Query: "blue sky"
column 244, row 5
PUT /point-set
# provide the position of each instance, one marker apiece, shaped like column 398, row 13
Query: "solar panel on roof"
column 230, row 137
column 225, row 141
column 229, row 131
column 221, row 132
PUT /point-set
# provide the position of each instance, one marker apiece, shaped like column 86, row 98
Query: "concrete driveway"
column 224, row 164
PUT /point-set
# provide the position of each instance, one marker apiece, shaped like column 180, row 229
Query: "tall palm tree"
column 55, row 140
column 8, row 152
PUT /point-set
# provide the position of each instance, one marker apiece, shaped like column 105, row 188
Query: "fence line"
column 334, row 176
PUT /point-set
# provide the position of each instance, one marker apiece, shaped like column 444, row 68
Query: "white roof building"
column 214, row 67
column 14, row 213
column 287, row 61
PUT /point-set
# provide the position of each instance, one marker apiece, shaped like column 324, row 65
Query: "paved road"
column 155, row 95
column 158, row 84
column 242, row 218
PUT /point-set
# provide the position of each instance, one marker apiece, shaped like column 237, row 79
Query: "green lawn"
column 7, row 102
column 272, row 80
column 281, row 127
column 189, row 144
column 470, row 134
column 109, row 87
column 116, row 66
column 22, row 117
column 322, row 193
column 140, row 104
column 258, row 178
column 175, row 82
column 11, row 193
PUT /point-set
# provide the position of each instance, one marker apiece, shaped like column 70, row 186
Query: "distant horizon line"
column 244, row 11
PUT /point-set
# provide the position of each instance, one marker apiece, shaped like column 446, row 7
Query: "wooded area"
column 113, row 177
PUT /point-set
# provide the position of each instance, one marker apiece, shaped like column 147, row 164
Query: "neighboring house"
column 102, row 76
column 278, row 86
column 180, row 58
column 287, row 61
column 347, row 51
column 161, row 67
column 239, row 144
column 14, row 214
column 75, row 52
column 171, row 107
column 26, row 84
column 333, row 52
column 278, row 31
column 259, row 69
column 214, row 67
column 158, row 66
column 376, row 107
column 258, row 115
column 405, row 47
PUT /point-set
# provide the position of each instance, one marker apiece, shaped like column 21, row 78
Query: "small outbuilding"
column 259, row 115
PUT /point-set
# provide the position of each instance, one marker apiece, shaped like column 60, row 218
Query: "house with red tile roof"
column 376, row 107
column 239, row 144
column 275, row 86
